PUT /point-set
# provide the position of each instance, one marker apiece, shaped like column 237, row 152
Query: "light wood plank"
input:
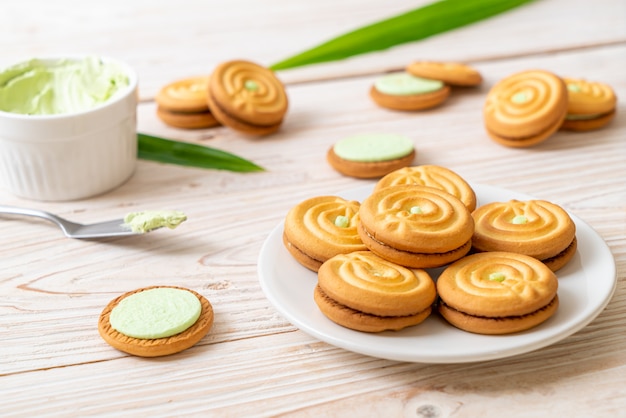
column 257, row 377
column 165, row 41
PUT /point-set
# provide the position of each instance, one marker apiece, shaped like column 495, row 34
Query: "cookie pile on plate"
column 374, row 258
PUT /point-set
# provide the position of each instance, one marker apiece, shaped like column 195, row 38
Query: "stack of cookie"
column 591, row 105
column 371, row 257
column 241, row 95
column 497, row 293
column 423, row 85
column 527, row 108
column 364, row 292
column 247, row 97
column 319, row 228
column 432, row 176
column 183, row 104
column 536, row 228
column 508, row 284
column 416, row 226
column 498, row 259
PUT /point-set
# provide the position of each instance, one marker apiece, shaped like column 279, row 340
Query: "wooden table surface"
column 254, row 362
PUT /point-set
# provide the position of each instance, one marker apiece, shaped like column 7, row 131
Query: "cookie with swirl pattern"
column 591, row 105
column 536, row 228
column 416, row 226
column 321, row 227
column 432, row 176
column 497, row 293
column 364, row 292
column 247, row 97
column 526, row 108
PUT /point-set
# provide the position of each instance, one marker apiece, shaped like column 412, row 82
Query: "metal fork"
column 114, row 228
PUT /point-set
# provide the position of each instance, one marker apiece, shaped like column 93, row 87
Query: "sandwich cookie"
column 415, row 226
column 364, row 292
column 536, row 228
column 156, row 321
column 319, row 228
column 371, row 155
column 525, row 109
column 432, row 176
column 452, row 73
column 591, row 105
column 247, row 97
column 403, row 91
column 183, row 104
column 497, row 293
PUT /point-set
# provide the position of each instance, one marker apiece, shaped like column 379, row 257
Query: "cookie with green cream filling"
column 156, row 321
column 536, row 228
column 321, row 227
column 403, row 91
column 497, row 293
column 371, row 155
column 183, row 104
column 525, row 109
column 247, row 97
column 591, row 105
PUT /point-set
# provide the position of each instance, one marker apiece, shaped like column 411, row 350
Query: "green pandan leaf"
column 429, row 20
column 167, row 151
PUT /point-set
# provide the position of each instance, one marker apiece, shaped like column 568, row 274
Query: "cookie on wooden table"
column 156, row 321
column 497, row 293
column 526, row 108
column 321, row 227
column 591, row 105
column 247, row 97
column 183, row 104
column 536, row 228
column 452, row 73
column 371, row 155
column 415, row 226
column 403, row 91
column 364, row 292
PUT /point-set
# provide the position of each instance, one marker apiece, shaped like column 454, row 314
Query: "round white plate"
column 586, row 285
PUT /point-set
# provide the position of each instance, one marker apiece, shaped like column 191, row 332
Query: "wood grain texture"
column 254, row 362
column 164, row 41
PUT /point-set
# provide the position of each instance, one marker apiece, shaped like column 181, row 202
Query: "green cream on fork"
column 132, row 224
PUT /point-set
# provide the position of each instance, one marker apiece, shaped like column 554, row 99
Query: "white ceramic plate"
column 586, row 285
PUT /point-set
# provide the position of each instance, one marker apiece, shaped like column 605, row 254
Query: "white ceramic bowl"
column 71, row 156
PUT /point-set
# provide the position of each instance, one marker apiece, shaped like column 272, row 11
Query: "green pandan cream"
column 156, row 313
column 373, row 147
column 54, row 87
column 404, row 84
column 148, row 220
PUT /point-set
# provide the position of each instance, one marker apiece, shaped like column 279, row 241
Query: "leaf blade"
column 167, row 151
column 417, row 24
